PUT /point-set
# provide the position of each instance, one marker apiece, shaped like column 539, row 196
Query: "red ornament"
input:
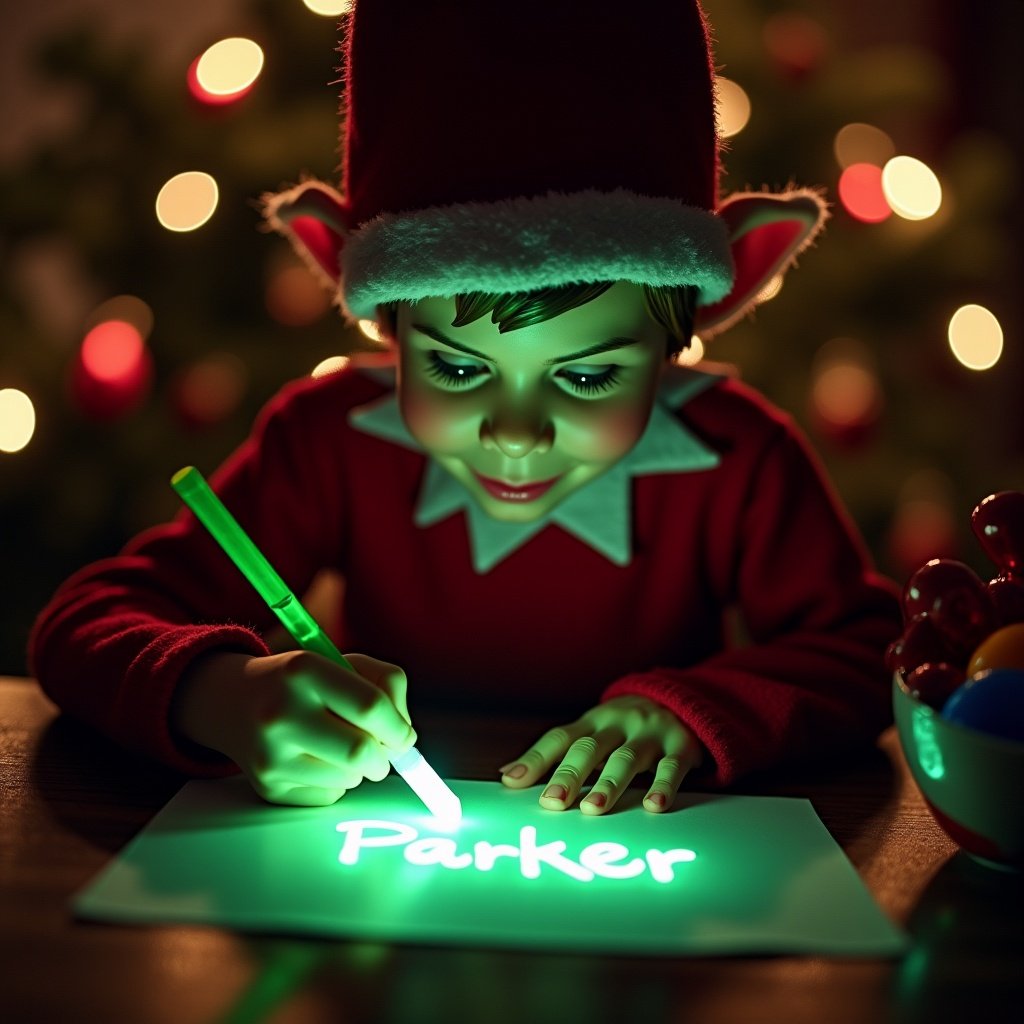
column 933, row 683
column 955, row 599
column 998, row 523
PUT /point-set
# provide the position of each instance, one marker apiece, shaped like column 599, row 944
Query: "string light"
column 17, row 420
column 371, row 329
column 861, row 193
column 329, row 8
column 911, row 188
column 692, row 354
column 975, row 337
column 187, row 201
column 732, row 107
column 333, row 364
column 225, row 71
column 860, row 143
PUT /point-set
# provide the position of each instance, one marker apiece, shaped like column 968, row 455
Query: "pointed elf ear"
column 312, row 217
column 766, row 233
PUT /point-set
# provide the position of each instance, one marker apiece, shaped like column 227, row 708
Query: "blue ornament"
column 990, row 702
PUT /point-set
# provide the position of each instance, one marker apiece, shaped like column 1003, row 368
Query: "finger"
column 582, row 757
column 667, row 780
column 361, row 701
column 342, row 744
column 311, row 771
column 528, row 768
column 622, row 766
column 297, row 795
column 390, row 678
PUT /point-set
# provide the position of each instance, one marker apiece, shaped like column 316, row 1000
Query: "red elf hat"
column 503, row 148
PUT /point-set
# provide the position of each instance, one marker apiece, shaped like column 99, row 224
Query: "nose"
column 517, row 432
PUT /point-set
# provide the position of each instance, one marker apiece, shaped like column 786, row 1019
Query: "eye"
column 454, row 371
column 590, row 380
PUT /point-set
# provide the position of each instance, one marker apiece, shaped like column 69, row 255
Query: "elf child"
column 537, row 508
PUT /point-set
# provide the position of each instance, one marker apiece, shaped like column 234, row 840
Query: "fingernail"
column 517, row 771
column 555, row 793
column 655, row 799
column 596, row 800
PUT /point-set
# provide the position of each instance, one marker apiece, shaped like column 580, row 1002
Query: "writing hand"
column 627, row 735
column 302, row 728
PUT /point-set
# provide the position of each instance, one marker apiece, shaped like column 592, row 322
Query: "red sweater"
column 554, row 627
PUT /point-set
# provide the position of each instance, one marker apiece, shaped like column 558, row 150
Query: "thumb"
column 385, row 676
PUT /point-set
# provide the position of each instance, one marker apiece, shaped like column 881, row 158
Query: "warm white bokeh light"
column 771, row 289
column 860, row 143
column 371, row 329
column 329, row 8
column 230, row 66
column 975, row 337
column 911, row 188
column 187, row 201
column 693, row 354
column 733, row 107
column 332, row 364
column 17, row 420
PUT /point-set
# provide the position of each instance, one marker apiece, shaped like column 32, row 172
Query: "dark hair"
column 670, row 306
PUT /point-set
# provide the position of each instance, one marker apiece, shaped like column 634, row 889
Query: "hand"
column 303, row 729
column 629, row 735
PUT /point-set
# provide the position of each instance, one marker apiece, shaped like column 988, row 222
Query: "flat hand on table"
column 628, row 735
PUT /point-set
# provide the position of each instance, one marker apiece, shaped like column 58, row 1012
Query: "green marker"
column 193, row 489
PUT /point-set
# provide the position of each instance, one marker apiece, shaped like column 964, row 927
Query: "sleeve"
column 116, row 637
column 811, row 681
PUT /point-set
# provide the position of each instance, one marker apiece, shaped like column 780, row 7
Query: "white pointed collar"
column 598, row 513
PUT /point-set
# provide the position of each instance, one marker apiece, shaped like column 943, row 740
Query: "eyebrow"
column 592, row 350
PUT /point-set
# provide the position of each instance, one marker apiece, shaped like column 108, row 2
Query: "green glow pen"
column 193, row 489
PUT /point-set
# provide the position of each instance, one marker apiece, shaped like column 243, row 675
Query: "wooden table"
column 69, row 801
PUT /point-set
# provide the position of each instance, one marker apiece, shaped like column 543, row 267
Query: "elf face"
column 525, row 418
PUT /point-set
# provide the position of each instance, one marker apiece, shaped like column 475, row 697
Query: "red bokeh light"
column 112, row 373
column 860, row 192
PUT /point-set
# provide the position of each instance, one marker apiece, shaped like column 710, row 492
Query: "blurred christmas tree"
column 854, row 346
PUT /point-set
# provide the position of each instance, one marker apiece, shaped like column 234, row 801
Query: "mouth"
column 516, row 492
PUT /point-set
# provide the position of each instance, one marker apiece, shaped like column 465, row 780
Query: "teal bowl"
column 973, row 783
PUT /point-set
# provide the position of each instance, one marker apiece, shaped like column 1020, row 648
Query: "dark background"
column 96, row 117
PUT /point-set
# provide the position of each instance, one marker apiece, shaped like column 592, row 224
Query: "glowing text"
column 598, row 860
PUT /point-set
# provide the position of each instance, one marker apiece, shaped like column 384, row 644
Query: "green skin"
column 522, row 408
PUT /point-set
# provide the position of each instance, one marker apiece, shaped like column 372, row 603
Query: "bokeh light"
column 17, row 420
column 860, row 143
column 295, row 298
column 924, row 523
column 975, row 337
column 129, row 309
column 797, row 43
column 187, row 201
column 112, row 351
column 771, row 289
column 733, row 107
column 210, row 390
column 860, row 192
column 692, row 354
column 226, row 71
column 371, row 329
column 113, row 371
column 911, row 188
column 329, row 8
column 846, row 397
column 332, row 364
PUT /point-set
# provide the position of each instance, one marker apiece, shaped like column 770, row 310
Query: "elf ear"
column 766, row 234
column 312, row 217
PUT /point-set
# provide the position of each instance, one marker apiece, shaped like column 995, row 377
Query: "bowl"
column 971, row 782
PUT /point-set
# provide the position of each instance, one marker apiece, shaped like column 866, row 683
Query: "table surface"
column 69, row 801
